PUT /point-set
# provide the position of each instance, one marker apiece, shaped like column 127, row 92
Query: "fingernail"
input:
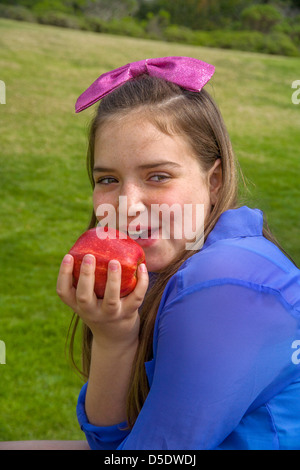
column 88, row 259
column 67, row 259
column 142, row 268
column 113, row 265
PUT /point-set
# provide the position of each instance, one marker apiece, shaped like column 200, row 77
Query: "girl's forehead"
column 134, row 136
column 140, row 147
column 141, row 115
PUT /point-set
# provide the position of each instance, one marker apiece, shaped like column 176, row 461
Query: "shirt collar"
column 236, row 223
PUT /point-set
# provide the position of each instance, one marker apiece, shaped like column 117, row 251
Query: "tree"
column 260, row 17
column 109, row 9
column 196, row 14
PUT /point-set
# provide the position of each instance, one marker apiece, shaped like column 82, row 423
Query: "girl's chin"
column 154, row 269
column 146, row 242
column 157, row 262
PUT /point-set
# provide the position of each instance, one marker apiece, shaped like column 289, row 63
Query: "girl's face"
column 155, row 171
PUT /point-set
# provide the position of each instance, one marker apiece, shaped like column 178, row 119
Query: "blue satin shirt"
column 225, row 372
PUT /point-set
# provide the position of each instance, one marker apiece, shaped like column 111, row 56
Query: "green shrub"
column 97, row 25
column 260, row 17
column 290, row 27
column 205, row 38
column 252, row 41
column 43, row 6
column 174, row 33
column 295, row 35
column 280, row 44
column 15, row 12
column 57, row 18
column 155, row 25
column 125, row 26
column 242, row 40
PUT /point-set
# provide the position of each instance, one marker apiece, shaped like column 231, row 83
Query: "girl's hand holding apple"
column 113, row 319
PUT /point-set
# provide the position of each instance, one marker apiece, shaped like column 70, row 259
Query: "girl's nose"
column 131, row 201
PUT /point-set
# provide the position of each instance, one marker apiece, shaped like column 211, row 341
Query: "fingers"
column 135, row 299
column 85, row 295
column 83, row 299
column 111, row 298
column 130, row 303
column 64, row 286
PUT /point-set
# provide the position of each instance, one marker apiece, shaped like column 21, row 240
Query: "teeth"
column 138, row 233
column 135, row 232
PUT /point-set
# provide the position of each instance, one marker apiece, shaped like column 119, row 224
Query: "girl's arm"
column 219, row 353
column 115, row 324
column 108, row 383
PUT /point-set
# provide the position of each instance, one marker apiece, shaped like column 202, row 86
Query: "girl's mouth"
column 143, row 233
column 144, row 236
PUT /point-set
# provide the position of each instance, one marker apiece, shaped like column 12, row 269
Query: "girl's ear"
column 215, row 180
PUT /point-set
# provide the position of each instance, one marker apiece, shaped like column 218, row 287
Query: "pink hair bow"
column 191, row 74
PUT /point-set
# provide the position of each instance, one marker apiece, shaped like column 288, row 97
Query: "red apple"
column 113, row 246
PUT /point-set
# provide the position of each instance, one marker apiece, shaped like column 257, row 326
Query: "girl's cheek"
column 105, row 209
column 95, row 203
column 99, row 198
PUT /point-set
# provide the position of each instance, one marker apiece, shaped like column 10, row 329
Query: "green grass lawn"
column 45, row 197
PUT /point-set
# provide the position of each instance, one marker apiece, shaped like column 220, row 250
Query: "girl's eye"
column 158, row 178
column 106, row 180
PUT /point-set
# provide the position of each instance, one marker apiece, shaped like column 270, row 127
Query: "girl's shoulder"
column 252, row 262
column 253, row 259
column 237, row 249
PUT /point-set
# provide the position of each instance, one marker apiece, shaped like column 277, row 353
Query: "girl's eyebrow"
column 98, row 169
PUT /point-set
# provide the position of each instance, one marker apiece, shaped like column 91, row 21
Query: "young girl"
column 206, row 355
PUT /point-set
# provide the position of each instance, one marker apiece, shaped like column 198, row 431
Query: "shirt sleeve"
column 219, row 351
column 98, row 437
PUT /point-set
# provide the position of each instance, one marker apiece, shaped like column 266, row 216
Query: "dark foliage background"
column 271, row 27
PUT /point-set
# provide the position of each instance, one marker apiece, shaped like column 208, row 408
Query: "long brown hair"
column 195, row 117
